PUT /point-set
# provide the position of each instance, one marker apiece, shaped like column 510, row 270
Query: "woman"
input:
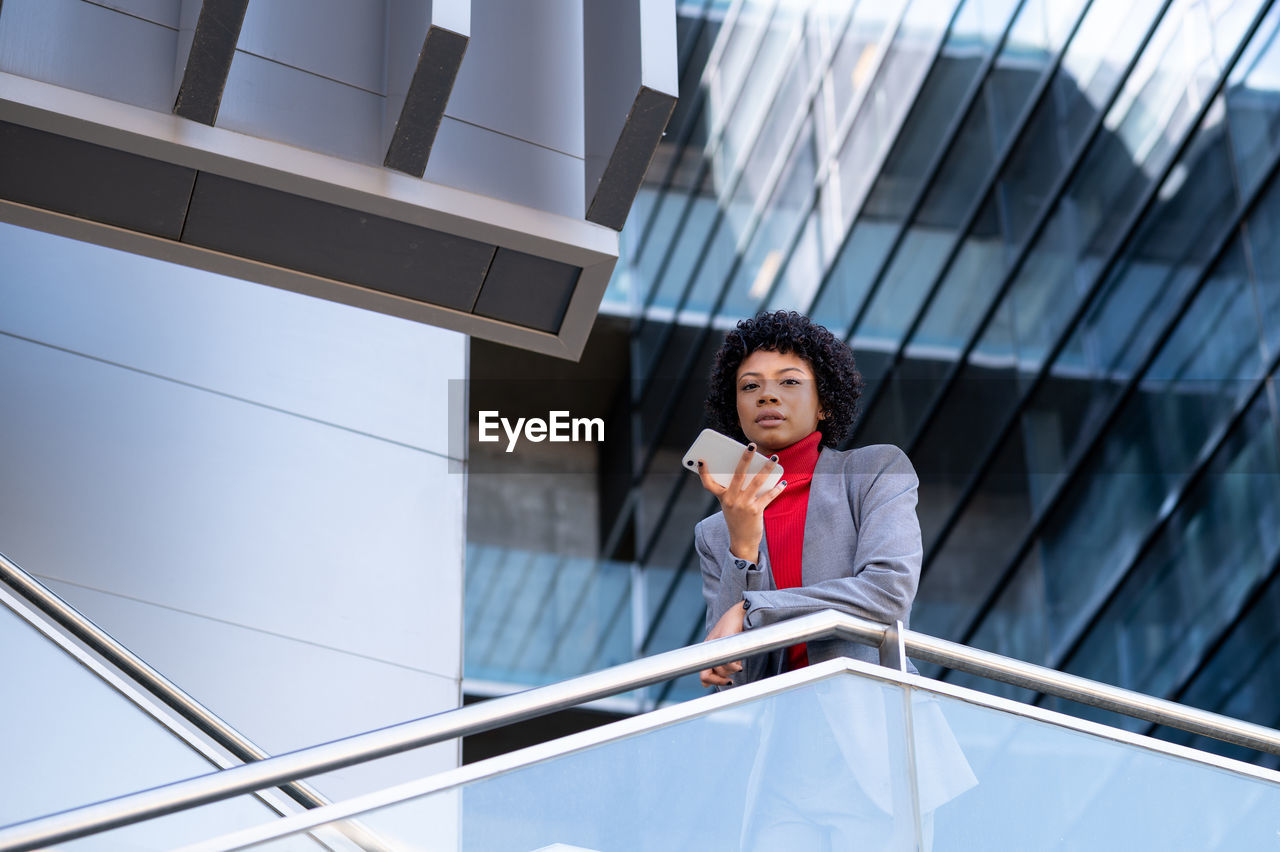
column 838, row 532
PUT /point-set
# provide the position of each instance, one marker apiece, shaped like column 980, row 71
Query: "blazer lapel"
column 828, row 522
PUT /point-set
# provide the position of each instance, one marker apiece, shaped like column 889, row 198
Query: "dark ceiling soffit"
column 93, row 182
column 335, row 242
column 625, row 170
column 425, row 100
column 213, row 45
column 527, row 290
column 347, row 247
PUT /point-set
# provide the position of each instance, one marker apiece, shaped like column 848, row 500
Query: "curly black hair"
column 787, row 332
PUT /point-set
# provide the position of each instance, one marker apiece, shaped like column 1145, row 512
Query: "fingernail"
column 784, row 483
column 751, row 448
column 773, row 458
column 699, row 464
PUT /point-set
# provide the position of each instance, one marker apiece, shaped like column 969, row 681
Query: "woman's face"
column 777, row 399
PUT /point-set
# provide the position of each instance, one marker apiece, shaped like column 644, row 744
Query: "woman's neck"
column 800, row 457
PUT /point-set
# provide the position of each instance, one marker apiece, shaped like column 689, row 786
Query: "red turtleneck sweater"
column 784, row 524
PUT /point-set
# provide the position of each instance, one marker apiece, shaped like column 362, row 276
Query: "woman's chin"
column 769, row 441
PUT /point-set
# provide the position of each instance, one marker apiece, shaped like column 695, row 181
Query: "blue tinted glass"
column 1158, row 435
column 588, row 635
column 839, row 764
column 666, row 229
column 842, row 293
column 969, row 43
column 1116, row 175
column 905, row 285
column 1213, row 550
column 953, row 315
column 1251, row 93
column 1264, row 253
column 755, row 275
column 692, row 226
column 682, row 616
column 1242, row 677
column 769, row 66
column 802, row 272
column 1038, row 34
column 1187, row 222
column 715, row 260
column 562, row 628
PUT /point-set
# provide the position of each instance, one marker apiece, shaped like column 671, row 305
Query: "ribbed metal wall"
column 1047, row 230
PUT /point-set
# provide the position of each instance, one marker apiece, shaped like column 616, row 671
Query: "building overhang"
column 156, row 184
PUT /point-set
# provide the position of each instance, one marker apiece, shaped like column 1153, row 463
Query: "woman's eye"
column 791, row 381
column 749, row 386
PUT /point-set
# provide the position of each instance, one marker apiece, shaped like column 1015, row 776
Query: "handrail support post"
column 893, row 647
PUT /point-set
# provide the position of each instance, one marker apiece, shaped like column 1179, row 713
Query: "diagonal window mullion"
column 939, row 158
column 616, row 615
column 949, row 136
column 1068, row 648
column 1043, row 87
column 1043, row 218
column 669, row 594
column 542, row 611
column 1252, row 604
column 578, row 606
column 696, row 348
column 1259, row 657
column 699, row 30
column 691, row 639
column 494, row 645
column 691, row 359
column 737, row 171
column 1105, row 422
column 715, row 137
column 1136, row 220
column 802, row 110
column 646, row 548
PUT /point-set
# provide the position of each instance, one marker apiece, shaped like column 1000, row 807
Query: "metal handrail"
column 174, row 697
column 497, row 712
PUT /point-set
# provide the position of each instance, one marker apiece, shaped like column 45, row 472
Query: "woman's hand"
column 729, row 624
column 743, row 510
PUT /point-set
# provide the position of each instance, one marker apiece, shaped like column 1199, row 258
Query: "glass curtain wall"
column 1047, row 230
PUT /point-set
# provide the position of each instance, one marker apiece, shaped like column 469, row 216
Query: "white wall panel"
column 91, row 49
column 61, row 726
column 165, row 12
column 522, row 74
column 358, row 369
column 274, row 101
column 120, row 481
column 482, row 161
column 271, row 688
column 343, row 40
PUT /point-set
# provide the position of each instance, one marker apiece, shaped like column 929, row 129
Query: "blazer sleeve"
column 725, row 577
column 880, row 577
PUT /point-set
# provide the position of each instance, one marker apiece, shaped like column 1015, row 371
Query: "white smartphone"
column 722, row 454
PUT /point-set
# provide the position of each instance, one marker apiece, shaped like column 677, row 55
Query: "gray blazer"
column 861, row 555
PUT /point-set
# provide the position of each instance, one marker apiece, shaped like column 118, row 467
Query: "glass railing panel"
column 824, row 759
column 760, row 776
column 190, row 827
column 1045, row 786
column 69, row 737
column 820, row 760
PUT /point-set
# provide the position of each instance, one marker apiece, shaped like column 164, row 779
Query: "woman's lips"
column 769, row 418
